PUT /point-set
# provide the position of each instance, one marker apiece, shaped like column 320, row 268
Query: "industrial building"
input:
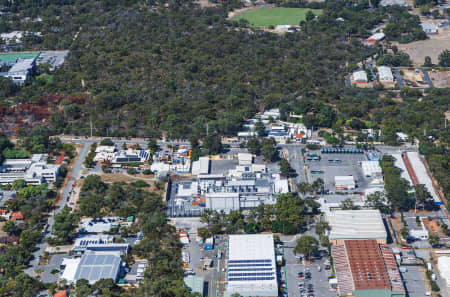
column 34, row 171
column 356, row 225
column 245, row 159
column 91, row 267
column 344, row 182
column 271, row 113
column 366, row 268
column 172, row 161
column 99, row 244
column 360, row 77
column 81, row 243
column 371, row 169
column 22, row 64
column 131, row 156
column 444, row 269
column 225, row 193
column 251, row 266
column 401, row 165
column 17, row 36
column 415, row 230
column 195, row 284
column 392, row 2
column 108, row 154
column 21, row 70
column 375, row 37
column 429, row 28
column 202, row 166
column 99, row 225
column 385, row 74
column 419, row 174
column 329, row 203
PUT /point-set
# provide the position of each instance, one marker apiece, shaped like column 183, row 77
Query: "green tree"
column 378, row 200
column 268, row 149
column 285, row 167
column 306, row 245
column 260, row 128
column 19, row 184
column 204, row 233
column 107, row 142
column 433, row 239
column 309, row 16
column 254, row 146
column 304, row 188
column 322, row 227
column 444, row 58
column 428, row 62
column 213, row 144
column 12, row 228
column 422, row 195
column 318, row 185
column 153, row 146
column 348, row 204
column 29, row 238
column 64, row 226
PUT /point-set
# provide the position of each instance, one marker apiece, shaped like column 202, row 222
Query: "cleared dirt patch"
column 440, row 79
column 431, row 47
column 412, row 78
column 118, row 177
column 154, row 186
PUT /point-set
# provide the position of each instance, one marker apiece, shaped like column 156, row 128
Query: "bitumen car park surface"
column 318, row 279
column 348, row 164
column 414, row 282
column 294, row 154
column 211, row 274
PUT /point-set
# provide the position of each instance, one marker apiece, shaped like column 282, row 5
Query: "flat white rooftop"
column 251, row 265
column 356, row 224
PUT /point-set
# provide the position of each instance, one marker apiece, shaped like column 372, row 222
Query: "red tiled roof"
column 64, row 293
column 392, row 269
column 365, row 265
column 342, row 269
column 17, row 215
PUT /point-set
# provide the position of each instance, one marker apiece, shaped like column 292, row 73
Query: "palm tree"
column 206, row 216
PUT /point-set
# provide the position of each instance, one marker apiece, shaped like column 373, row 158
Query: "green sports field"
column 264, row 17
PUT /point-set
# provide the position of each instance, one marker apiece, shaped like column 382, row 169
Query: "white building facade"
column 251, row 266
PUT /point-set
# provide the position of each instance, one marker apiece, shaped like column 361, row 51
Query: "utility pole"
column 207, row 129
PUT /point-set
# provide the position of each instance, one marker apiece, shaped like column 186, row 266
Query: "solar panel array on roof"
column 144, row 155
column 95, row 267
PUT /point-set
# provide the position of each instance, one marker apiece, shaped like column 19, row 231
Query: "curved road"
column 74, row 174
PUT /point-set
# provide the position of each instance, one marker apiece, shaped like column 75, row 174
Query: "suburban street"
column 74, row 174
column 118, row 141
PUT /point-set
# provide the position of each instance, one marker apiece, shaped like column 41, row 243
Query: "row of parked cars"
column 344, row 150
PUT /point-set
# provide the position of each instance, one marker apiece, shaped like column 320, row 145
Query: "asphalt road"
column 74, row 174
column 143, row 143
column 296, row 160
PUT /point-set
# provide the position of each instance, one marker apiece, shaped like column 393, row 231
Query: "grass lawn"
column 264, row 17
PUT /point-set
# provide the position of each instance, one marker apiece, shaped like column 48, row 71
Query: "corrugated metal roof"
column 356, row 224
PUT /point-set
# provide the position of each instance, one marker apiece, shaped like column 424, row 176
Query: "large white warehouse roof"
column 444, row 269
column 251, row 265
column 356, row 224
